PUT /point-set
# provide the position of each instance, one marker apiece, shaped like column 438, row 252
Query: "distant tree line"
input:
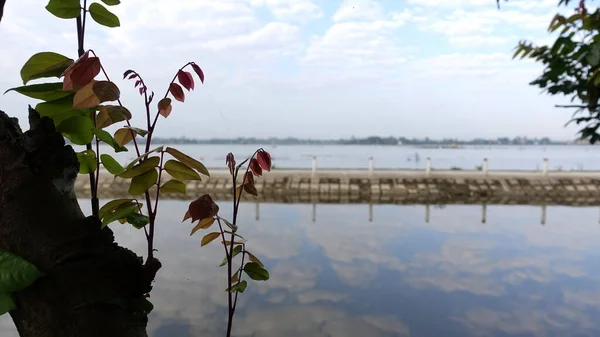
column 372, row 140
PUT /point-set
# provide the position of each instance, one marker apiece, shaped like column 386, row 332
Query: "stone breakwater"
column 387, row 187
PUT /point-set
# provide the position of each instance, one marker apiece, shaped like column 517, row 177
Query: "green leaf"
column 143, row 182
column 138, row 220
column 111, row 164
column 239, row 287
column 103, row 16
column 141, row 168
column 180, row 171
column 111, row 2
column 87, row 161
column 44, row 64
column 64, row 9
column 236, row 250
column 112, row 205
column 121, row 212
column 208, row 238
column 108, row 139
column 189, row 161
column 158, row 149
column 77, row 129
column 16, row 273
column 43, row 91
column 173, row 186
column 256, row 272
column 6, row 303
column 254, row 259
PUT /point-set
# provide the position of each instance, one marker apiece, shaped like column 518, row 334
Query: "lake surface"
column 341, row 275
column 580, row 157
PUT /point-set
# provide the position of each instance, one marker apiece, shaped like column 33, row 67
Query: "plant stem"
column 81, row 51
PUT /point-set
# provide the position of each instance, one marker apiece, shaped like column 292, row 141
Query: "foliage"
column 572, row 65
column 15, row 274
column 205, row 212
column 83, row 104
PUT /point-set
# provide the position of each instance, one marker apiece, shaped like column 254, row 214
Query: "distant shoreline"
column 389, row 141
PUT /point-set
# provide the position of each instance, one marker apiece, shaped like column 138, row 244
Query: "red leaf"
column 186, row 79
column 255, row 167
column 138, row 82
column 202, row 208
column 80, row 59
column 85, row 72
column 230, row 160
column 68, row 82
column 132, row 76
column 142, row 90
column 177, row 92
column 198, row 71
column 264, row 160
column 127, row 73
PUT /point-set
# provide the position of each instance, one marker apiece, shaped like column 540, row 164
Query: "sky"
column 314, row 68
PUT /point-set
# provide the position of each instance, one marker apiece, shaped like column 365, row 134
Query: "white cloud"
column 291, row 10
column 474, row 41
column 351, row 10
column 378, row 57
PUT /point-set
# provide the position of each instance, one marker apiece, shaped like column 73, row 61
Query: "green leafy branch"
column 572, row 66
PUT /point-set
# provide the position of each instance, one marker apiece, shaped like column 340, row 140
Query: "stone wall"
column 387, row 188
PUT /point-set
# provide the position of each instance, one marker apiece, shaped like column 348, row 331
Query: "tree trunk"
column 92, row 286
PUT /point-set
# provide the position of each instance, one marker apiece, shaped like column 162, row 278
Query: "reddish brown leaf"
column 230, row 160
column 165, row 107
column 186, row 79
column 132, row 76
column 248, row 178
column 250, row 189
column 177, row 92
column 85, row 72
column 255, row 167
column 127, row 73
column 68, row 82
column 106, row 91
column 186, row 216
column 142, row 90
column 138, row 82
column 202, row 208
column 86, row 97
column 80, row 59
column 198, row 71
column 264, row 160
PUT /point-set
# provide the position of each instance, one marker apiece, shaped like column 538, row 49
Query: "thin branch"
column 571, row 106
column 2, row 2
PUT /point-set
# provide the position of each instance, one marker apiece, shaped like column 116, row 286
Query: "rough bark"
column 92, row 286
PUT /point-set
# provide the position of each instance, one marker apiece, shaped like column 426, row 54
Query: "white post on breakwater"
column 370, row 165
column 483, row 213
column 484, row 166
column 545, row 171
column 428, row 167
column 544, row 214
column 314, row 166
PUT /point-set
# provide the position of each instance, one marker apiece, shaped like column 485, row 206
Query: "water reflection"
column 401, row 275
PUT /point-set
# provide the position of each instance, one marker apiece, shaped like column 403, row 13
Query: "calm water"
column 342, row 275
column 499, row 157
